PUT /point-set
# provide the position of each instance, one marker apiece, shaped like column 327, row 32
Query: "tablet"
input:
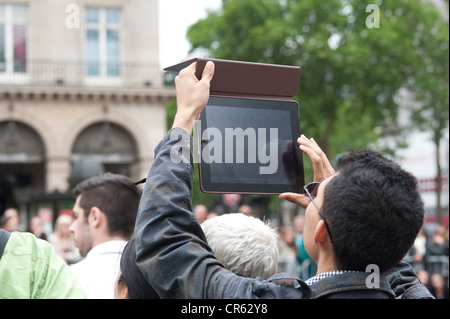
column 249, row 146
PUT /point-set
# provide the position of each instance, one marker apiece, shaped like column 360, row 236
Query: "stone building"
column 81, row 91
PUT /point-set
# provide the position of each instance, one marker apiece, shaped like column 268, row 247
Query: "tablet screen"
column 246, row 146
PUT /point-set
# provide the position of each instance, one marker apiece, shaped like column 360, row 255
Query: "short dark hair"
column 138, row 286
column 116, row 196
column 374, row 210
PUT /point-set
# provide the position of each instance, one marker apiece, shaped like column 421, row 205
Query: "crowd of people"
column 121, row 244
column 60, row 238
column 430, row 258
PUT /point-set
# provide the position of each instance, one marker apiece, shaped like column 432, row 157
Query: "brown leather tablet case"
column 246, row 79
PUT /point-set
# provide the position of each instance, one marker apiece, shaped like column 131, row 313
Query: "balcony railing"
column 80, row 73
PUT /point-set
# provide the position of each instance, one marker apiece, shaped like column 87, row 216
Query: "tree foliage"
column 346, row 66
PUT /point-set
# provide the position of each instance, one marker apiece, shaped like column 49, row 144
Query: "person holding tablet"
column 171, row 243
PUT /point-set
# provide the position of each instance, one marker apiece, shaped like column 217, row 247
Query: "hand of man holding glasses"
column 321, row 166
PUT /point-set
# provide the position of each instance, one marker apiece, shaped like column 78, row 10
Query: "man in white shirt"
column 104, row 217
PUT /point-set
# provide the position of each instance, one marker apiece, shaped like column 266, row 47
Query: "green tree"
column 430, row 87
column 345, row 64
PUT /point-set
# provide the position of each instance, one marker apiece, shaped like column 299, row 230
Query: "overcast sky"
column 175, row 16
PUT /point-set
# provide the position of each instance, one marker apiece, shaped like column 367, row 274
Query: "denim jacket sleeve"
column 171, row 248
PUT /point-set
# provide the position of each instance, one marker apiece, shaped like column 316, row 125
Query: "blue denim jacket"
column 172, row 251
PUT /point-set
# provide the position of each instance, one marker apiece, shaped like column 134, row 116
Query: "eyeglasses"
column 311, row 190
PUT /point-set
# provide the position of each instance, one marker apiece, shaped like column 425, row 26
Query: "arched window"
column 104, row 147
column 22, row 160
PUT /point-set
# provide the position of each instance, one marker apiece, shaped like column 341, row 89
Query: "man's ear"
column 125, row 294
column 96, row 216
column 321, row 233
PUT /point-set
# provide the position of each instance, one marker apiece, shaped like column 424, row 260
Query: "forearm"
column 171, row 248
column 169, row 240
column 181, row 122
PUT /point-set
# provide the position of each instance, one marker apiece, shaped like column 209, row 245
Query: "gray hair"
column 245, row 245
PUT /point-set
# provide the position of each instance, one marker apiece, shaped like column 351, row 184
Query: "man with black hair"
column 375, row 197
column 366, row 215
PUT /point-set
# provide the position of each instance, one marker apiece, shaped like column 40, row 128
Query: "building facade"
column 81, row 91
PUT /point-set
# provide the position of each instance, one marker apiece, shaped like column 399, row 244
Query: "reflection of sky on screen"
column 175, row 16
